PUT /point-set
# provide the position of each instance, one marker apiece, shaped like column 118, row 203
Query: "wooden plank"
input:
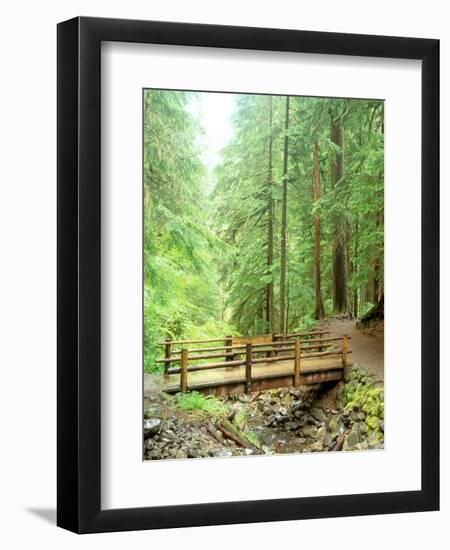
column 210, row 356
column 184, row 371
column 167, row 354
column 209, row 366
column 345, row 350
column 237, row 386
column 260, row 339
column 264, row 345
column 248, row 368
column 196, row 357
column 295, row 334
column 256, row 349
column 297, row 358
column 228, row 342
column 206, row 340
column 269, row 371
column 281, row 358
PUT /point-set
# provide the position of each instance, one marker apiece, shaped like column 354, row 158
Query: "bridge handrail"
column 268, row 348
column 185, row 368
column 262, row 348
column 223, row 338
column 267, row 344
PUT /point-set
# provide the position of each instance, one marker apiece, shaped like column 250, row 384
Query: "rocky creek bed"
column 288, row 420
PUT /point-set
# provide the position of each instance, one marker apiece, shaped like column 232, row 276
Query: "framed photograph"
column 248, row 259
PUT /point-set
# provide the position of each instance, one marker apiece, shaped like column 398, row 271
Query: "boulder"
column 151, row 427
column 352, row 440
column 309, row 431
column 319, row 414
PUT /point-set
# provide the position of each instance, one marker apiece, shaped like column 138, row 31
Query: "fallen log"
column 212, row 432
column 233, row 437
column 254, row 396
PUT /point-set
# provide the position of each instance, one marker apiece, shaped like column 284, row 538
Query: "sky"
column 215, row 111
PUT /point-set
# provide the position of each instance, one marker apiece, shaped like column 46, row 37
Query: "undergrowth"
column 195, row 401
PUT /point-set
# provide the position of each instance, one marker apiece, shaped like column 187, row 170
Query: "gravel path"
column 367, row 349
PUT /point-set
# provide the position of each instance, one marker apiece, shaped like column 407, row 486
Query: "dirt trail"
column 367, row 349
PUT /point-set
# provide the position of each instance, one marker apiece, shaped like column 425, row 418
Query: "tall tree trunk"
column 318, row 309
column 379, row 221
column 355, row 270
column 269, row 290
column 284, row 223
column 339, row 239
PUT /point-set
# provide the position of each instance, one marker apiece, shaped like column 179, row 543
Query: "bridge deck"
column 264, row 376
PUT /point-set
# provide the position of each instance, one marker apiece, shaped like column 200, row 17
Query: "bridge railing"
column 230, row 344
column 299, row 346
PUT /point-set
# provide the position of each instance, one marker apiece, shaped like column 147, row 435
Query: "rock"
column 222, row 453
column 152, row 455
column 316, row 447
column 303, row 406
column 151, row 411
column 321, row 432
column 148, row 445
column 267, row 437
column 151, row 427
column 309, row 431
column 291, row 426
column 339, row 391
column 328, row 440
column 352, row 440
column 307, row 419
column 360, row 427
column 357, row 416
column 318, row 414
column 332, row 423
column 181, row 454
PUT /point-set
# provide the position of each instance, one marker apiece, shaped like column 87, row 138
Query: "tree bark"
column 284, row 223
column 340, row 301
column 318, row 309
column 269, row 291
column 355, row 270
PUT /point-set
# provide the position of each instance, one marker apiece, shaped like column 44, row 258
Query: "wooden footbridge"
column 253, row 363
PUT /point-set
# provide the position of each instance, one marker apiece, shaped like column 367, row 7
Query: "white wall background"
column 28, row 268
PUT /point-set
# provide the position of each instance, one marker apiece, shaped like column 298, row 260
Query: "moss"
column 372, row 423
column 361, row 393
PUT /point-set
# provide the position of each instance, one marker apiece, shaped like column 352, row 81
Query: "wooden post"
column 228, row 342
column 248, row 367
column 167, row 355
column 184, row 370
column 297, row 371
column 274, row 339
column 344, row 350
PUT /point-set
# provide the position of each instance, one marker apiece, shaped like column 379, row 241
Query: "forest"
column 284, row 230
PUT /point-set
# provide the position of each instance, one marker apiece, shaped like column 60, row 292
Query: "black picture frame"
column 79, row 280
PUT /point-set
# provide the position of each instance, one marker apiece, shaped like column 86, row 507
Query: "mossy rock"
column 372, row 422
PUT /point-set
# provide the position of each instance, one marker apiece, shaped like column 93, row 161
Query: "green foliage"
column 360, row 393
column 194, row 401
column 206, row 268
